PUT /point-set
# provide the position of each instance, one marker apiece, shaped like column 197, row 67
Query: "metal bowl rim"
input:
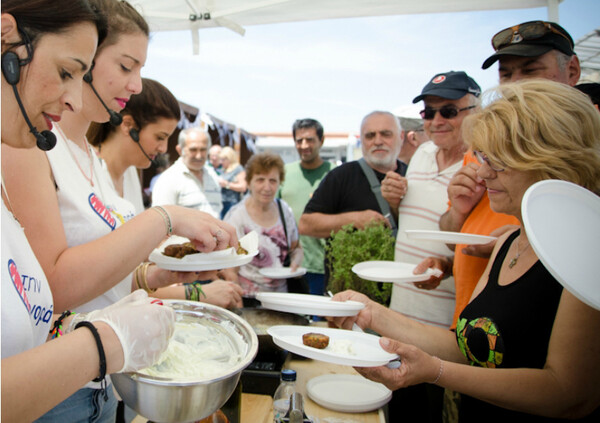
column 199, row 307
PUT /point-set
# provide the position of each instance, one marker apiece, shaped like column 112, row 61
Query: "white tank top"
column 26, row 298
column 88, row 212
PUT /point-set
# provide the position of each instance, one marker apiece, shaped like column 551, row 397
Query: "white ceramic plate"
column 366, row 351
column 348, row 393
column 390, row 271
column 562, row 221
column 215, row 260
column 281, row 272
column 315, row 305
column 449, row 237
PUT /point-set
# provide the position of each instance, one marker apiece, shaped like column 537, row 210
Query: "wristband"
column 193, row 291
column 57, row 328
column 102, row 377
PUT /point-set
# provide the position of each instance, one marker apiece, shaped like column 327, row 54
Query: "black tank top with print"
column 509, row 327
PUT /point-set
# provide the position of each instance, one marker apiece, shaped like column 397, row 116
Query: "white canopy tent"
column 193, row 15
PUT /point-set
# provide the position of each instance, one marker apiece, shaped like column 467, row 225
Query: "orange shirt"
column 468, row 269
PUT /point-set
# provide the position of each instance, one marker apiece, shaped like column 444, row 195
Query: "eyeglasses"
column 524, row 32
column 448, row 111
column 482, row 158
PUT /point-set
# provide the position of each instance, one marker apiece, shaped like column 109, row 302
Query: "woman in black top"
column 524, row 347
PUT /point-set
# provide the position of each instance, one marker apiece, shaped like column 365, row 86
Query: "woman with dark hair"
column 149, row 119
column 90, row 243
column 45, row 53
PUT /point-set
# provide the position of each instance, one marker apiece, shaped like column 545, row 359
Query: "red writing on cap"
column 438, row 79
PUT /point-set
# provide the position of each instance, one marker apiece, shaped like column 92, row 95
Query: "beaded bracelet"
column 57, row 328
column 102, row 377
column 165, row 215
column 437, row 379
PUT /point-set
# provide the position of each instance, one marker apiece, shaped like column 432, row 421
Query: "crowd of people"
column 493, row 337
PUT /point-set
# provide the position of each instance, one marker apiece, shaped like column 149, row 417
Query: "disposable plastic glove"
column 143, row 329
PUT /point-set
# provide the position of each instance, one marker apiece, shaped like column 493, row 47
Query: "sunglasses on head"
column 448, row 111
column 524, row 32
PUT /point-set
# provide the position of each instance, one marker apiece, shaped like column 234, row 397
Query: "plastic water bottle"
column 281, row 398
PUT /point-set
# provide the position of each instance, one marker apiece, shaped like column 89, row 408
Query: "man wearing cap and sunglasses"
column 449, row 97
column 535, row 49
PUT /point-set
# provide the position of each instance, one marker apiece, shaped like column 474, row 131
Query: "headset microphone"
column 135, row 136
column 115, row 118
column 11, row 70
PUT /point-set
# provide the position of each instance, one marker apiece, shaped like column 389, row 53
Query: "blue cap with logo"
column 450, row 85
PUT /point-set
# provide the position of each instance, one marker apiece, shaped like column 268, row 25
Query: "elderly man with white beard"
column 346, row 194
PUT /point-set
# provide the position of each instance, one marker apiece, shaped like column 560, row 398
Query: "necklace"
column 514, row 260
column 90, row 178
column 8, row 200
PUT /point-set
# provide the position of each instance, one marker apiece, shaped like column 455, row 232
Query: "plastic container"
column 281, row 398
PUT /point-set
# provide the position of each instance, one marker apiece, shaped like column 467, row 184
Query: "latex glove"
column 143, row 329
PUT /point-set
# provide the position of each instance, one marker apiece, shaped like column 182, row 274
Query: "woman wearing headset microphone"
column 148, row 121
column 90, row 242
column 45, row 53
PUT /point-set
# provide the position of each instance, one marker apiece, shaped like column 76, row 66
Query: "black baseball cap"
column 450, row 85
column 530, row 39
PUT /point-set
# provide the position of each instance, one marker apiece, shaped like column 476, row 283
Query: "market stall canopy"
column 588, row 51
column 173, row 15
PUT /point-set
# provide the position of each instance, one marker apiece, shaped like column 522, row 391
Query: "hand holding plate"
column 417, row 366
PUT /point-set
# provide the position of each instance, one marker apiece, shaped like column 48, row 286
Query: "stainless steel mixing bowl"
column 167, row 400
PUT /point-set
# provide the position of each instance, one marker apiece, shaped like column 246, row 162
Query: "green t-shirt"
column 296, row 190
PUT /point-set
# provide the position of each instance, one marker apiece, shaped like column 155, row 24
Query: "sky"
column 335, row 71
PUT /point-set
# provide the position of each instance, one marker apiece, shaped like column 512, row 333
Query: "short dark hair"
column 308, row 123
column 263, row 163
column 38, row 17
column 154, row 102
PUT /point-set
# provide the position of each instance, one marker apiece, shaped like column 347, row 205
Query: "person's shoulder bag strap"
column 288, row 257
column 376, row 189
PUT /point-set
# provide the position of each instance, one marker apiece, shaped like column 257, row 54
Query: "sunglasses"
column 448, row 111
column 482, row 158
column 524, row 32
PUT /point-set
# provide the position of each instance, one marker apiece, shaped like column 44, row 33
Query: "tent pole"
column 553, row 10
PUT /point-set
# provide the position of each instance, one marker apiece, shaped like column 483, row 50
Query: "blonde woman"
column 232, row 180
column 524, row 348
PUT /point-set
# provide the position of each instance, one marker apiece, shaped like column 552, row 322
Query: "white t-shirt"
column 88, row 212
column 26, row 297
column 178, row 186
column 132, row 189
column 425, row 201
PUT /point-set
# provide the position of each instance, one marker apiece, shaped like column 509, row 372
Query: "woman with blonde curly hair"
column 524, row 347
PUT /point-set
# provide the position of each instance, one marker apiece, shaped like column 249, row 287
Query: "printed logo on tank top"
column 102, row 211
column 15, row 276
column 480, row 341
